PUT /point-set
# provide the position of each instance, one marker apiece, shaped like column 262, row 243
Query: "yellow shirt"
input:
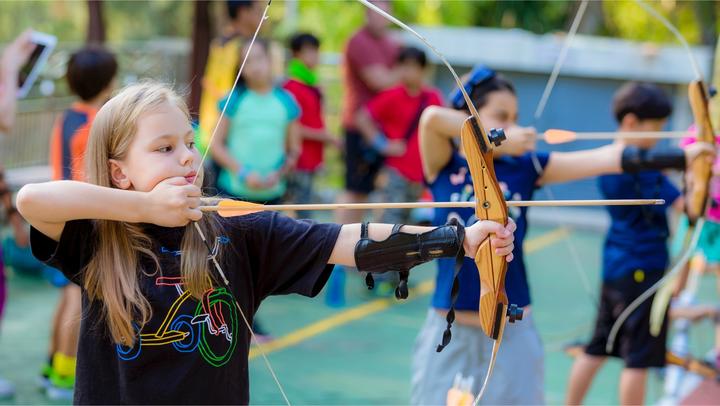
column 220, row 70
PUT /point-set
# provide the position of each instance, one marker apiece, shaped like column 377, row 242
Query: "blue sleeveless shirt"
column 517, row 177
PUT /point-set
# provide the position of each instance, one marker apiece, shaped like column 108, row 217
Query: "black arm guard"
column 402, row 251
column 635, row 159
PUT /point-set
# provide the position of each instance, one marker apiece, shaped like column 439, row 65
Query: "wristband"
column 380, row 142
column 635, row 159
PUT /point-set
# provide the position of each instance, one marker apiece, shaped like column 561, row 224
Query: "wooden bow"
column 490, row 205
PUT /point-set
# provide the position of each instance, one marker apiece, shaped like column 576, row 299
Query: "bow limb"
column 696, row 195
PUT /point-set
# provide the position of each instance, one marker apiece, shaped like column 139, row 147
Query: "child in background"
column 635, row 253
column 257, row 142
column 222, row 61
column 90, row 76
column 302, row 83
column 163, row 324
column 392, row 117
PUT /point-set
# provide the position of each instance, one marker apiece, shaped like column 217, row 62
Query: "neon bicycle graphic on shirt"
column 211, row 330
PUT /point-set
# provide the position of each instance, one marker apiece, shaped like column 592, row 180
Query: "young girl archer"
column 160, row 319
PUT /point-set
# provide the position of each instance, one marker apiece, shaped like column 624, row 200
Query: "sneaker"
column 60, row 394
column 7, row 389
column 60, row 387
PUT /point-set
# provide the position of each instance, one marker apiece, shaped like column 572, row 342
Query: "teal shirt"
column 256, row 139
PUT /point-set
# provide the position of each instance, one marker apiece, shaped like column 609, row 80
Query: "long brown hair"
column 112, row 274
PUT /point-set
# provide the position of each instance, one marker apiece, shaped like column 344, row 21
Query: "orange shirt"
column 69, row 141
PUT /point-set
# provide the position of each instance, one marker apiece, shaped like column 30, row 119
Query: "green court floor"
column 360, row 354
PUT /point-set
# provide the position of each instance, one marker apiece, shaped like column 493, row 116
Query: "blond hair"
column 112, row 274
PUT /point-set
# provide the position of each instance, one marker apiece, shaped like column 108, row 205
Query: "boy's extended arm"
column 48, row 206
column 618, row 158
column 568, row 166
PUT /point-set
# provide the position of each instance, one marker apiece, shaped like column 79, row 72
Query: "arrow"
column 229, row 207
column 558, row 136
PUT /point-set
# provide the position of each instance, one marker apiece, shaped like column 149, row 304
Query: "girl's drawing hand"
column 173, row 203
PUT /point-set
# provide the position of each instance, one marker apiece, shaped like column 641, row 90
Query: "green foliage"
column 143, row 20
column 625, row 19
column 65, row 19
column 334, row 21
column 124, row 20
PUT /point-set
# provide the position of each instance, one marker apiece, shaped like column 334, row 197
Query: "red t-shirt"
column 309, row 98
column 394, row 110
column 363, row 50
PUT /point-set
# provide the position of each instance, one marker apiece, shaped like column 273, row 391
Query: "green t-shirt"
column 256, row 139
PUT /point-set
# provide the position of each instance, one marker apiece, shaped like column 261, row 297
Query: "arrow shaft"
column 606, row 135
column 414, row 205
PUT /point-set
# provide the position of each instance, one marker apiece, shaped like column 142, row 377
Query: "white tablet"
column 44, row 45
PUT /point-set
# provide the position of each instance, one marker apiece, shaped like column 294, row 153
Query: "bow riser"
column 490, row 205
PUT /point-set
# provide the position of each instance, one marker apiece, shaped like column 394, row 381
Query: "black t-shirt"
column 191, row 351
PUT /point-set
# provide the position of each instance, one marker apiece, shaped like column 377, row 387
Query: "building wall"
column 581, row 99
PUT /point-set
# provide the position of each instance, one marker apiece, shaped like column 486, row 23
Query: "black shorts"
column 634, row 343
column 361, row 169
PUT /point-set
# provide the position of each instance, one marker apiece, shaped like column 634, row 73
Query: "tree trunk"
column 96, row 23
column 201, row 35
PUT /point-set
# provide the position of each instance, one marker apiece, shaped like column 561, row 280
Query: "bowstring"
column 212, row 257
column 579, row 268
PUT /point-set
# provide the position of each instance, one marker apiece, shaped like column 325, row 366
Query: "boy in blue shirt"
column 635, row 253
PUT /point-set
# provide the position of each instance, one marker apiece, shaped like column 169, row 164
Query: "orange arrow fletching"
column 238, row 208
column 555, row 136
